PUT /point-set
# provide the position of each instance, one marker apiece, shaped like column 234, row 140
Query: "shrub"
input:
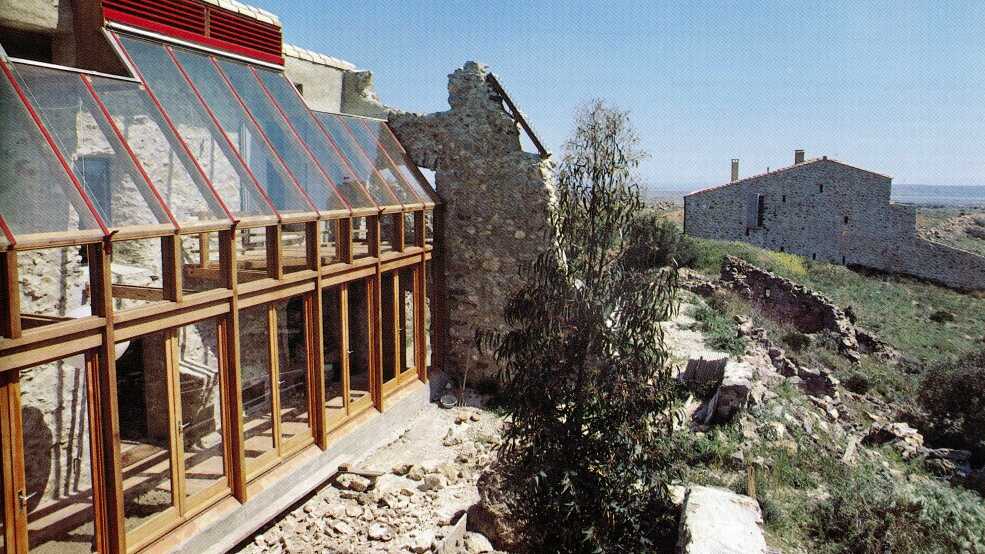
column 871, row 514
column 720, row 332
column 656, row 242
column 953, row 395
column 797, row 341
column 589, row 394
column 942, row 316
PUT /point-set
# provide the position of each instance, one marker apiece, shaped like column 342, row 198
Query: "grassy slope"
column 897, row 308
column 930, row 219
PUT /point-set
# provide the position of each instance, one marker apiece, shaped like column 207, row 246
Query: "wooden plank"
column 343, row 239
column 315, row 342
column 203, row 250
column 133, row 292
column 171, row 267
column 11, row 449
column 229, row 360
column 419, row 229
column 518, row 116
column 13, row 414
column 273, row 371
column 420, row 330
column 373, row 235
column 10, row 297
column 398, row 232
column 346, row 349
column 108, row 498
column 375, row 335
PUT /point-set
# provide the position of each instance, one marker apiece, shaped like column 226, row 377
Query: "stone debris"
column 906, row 439
column 412, row 507
column 718, row 521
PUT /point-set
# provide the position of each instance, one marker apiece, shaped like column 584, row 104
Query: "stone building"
column 215, row 266
column 829, row 211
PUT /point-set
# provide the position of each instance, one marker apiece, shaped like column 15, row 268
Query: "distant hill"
column 939, row 195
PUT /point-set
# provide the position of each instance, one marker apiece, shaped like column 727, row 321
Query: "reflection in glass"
column 379, row 159
column 292, row 368
column 201, row 406
column 57, row 459
column 359, row 341
column 255, row 382
column 358, row 160
column 145, row 423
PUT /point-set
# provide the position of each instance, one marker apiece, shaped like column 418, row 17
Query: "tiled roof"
column 784, row 169
column 247, row 10
column 304, row 54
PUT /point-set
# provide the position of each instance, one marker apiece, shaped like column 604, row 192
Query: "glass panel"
column 382, row 133
column 360, row 164
column 406, row 305
column 304, row 168
column 201, row 406
column 294, row 247
column 200, row 262
column 310, row 131
column 145, row 428
column 388, row 232
column 278, row 181
column 251, row 254
column 165, row 162
column 54, row 284
column 390, row 331
column 332, row 342
column 137, row 267
column 91, row 147
column 292, row 368
column 367, row 140
column 36, row 195
column 329, row 231
column 360, row 237
column 258, row 407
column 57, row 459
column 205, row 141
column 410, row 230
column 359, row 341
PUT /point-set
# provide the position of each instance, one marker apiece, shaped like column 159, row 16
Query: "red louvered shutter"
column 205, row 24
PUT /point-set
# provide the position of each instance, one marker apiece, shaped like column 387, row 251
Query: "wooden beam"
column 375, row 334
column 398, row 232
column 419, row 229
column 10, row 296
column 203, row 250
column 345, row 349
column 314, row 327
column 420, row 330
column 275, row 252
column 517, row 115
column 11, row 447
column 343, row 239
column 232, row 397
column 133, row 292
column 373, row 235
column 107, row 472
column 171, row 267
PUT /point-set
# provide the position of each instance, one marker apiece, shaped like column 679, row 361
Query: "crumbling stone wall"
column 826, row 210
column 495, row 201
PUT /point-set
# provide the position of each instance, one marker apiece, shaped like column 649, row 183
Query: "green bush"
column 953, row 396
column 655, row 242
column 872, row 514
column 720, row 332
column 797, row 341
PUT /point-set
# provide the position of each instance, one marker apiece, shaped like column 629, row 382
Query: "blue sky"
column 896, row 87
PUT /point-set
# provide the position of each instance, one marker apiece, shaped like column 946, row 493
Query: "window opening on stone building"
column 820, row 188
column 56, row 431
column 760, row 209
column 814, row 256
column 846, row 220
column 784, row 199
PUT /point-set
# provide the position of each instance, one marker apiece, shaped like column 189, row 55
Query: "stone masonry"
column 827, row 210
column 496, row 199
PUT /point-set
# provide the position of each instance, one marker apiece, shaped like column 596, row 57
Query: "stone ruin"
column 495, row 208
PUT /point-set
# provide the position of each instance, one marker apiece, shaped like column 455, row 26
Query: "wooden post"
column 171, row 267
column 15, row 519
column 345, row 348
column 399, row 240
column 373, row 235
column 107, row 472
column 316, row 348
column 343, row 240
column 203, row 250
column 375, row 333
column 10, row 297
column 229, row 347
column 420, row 331
column 275, row 265
column 419, row 231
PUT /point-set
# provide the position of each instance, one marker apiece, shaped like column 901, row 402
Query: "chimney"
column 735, row 169
column 798, row 157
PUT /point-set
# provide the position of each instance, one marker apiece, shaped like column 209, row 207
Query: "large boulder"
column 491, row 516
column 718, row 521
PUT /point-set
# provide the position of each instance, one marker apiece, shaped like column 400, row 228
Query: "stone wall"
column 495, row 201
column 829, row 211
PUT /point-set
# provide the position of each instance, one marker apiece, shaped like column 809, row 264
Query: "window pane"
column 88, row 142
column 311, row 133
column 255, row 382
column 201, row 406
column 332, row 339
column 360, row 164
column 294, row 247
column 36, row 196
column 389, row 314
column 407, row 357
column 368, row 141
column 279, row 185
column 227, row 175
column 304, row 168
column 292, row 368
column 165, row 162
column 359, row 341
column 145, row 423
column 57, row 459
column 381, row 132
